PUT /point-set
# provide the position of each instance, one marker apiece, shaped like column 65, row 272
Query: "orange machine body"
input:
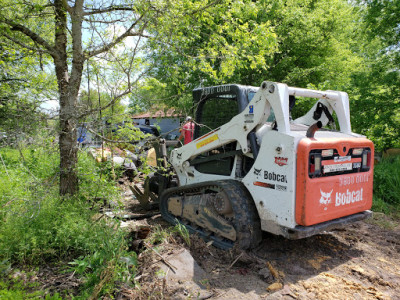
column 332, row 195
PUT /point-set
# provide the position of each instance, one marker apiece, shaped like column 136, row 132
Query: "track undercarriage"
column 221, row 211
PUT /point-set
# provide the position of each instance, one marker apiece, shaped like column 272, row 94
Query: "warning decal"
column 207, row 141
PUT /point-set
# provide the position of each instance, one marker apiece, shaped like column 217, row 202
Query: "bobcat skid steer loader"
column 252, row 169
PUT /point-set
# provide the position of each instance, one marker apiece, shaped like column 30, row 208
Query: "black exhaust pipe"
column 312, row 129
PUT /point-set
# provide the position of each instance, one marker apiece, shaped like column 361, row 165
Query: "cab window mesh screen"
column 216, row 112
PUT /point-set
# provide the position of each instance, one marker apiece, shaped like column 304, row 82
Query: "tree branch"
column 108, row 104
column 77, row 53
column 12, row 79
column 67, row 6
column 102, row 22
column 23, row 45
column 32, row 35
column 127, row 33
column 108, row 9
column 107, row 139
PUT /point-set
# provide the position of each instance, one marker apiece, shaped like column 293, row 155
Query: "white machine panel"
column 271, row 181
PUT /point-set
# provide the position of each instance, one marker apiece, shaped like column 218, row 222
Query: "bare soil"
column 361, row 261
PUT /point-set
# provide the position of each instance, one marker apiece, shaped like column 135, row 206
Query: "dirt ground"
column 361, row 261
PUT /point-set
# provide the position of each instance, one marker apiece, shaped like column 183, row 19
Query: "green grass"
column 37, row 226
column 22, row 287
column 387, row 187
column 387, row 180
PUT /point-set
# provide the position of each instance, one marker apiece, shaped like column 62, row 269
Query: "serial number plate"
column 338, row 168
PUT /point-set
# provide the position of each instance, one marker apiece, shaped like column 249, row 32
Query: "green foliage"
column 316, row 40
column 94, row 180
column 23, row 88
column 101, row 270
column 111, row 113
column 158, row 235
column 383, row 21
column 25, row 179
column 129, row 133
column 376, row 109
column 148, row 92
column 181, row 230
column 211, row 43
column 387, row 181
column 37, row 226
column 300, row 43
column 379, row 205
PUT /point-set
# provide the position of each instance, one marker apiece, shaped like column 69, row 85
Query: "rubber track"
column 245, row 221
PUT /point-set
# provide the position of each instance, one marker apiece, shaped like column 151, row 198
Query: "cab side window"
column 214, row 112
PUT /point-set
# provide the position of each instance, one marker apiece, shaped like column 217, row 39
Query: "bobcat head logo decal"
column 257, row 171
column 325, row 197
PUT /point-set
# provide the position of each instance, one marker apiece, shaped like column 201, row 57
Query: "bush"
column 57, row 230
column 387, row 180
column 95, row 180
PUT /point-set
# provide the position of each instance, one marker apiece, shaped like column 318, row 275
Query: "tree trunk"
column 68, row 146
column 68, row 99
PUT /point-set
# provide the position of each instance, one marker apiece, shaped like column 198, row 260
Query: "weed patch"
column 21, row 285
column 37, row 226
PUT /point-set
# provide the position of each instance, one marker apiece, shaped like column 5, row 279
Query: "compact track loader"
column 251, row 168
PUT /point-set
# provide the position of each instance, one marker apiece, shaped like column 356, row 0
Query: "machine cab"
column 217, row 105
